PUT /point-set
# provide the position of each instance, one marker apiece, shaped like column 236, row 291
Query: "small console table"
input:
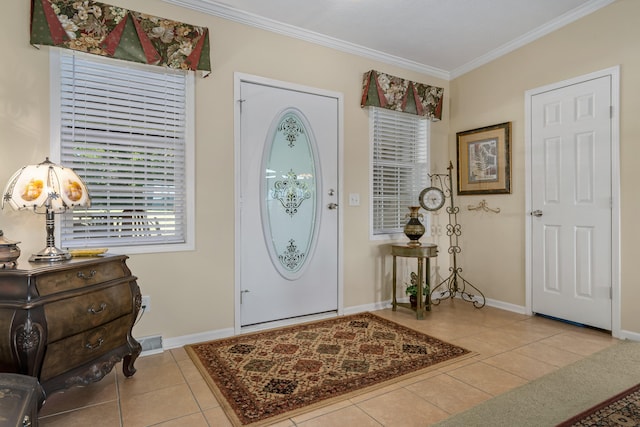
column 422, row 253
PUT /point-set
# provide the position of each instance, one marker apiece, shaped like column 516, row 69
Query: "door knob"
column 537, row 212
column 332, row 206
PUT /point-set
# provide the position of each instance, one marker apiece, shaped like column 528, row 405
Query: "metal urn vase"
column 9, row 252
column 414, row 229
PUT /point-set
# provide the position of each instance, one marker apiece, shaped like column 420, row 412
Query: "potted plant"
column 412, row 290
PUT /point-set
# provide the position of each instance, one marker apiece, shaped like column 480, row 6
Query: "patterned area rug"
column 264, row 377
column 621, row 410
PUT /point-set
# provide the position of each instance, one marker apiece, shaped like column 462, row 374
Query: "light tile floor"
column 512, row 349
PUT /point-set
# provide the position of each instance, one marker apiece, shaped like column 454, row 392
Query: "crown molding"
column 232, row 14
column 214, row 8
column 551, row 26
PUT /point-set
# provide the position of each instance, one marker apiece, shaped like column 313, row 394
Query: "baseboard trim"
column 628, row 335
column 176, row 342
column 367, row 307
column 183, row 340
column 520, row 309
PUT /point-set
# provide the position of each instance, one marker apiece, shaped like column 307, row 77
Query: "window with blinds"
column 400, row 167
column 126, row 130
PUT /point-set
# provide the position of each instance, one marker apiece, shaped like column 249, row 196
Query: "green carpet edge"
column 559, row 395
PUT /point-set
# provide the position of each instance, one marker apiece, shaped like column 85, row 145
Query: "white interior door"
column 571, row 202
column 288, row 202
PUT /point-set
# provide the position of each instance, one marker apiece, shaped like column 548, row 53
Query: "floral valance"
column 385, row 91
column 106, row 30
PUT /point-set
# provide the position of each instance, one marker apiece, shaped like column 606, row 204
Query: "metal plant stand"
column 455, row 284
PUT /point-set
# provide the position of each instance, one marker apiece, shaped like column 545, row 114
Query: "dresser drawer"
column 76, row 350
column 80, row 276
column 74, row 315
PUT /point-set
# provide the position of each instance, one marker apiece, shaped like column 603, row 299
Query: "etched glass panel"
column 290, row 193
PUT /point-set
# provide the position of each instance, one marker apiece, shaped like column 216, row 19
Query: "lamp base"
column 50, row 254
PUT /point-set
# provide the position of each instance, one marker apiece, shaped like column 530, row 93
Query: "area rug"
column 263, row 377
column 622, row 409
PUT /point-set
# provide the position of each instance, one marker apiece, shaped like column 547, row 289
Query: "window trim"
column 426, row 221
column 55, row 147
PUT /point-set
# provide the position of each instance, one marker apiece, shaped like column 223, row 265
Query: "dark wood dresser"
column 68, row 323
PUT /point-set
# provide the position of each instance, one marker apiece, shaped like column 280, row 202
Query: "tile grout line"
column 186, row 381
column 117, row 383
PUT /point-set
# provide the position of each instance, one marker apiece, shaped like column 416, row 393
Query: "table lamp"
column 46, row 188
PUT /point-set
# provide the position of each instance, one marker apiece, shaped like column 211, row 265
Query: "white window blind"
column 400, row 167
column 123, row 129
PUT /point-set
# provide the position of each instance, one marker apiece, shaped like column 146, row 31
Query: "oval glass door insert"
column 289, row 192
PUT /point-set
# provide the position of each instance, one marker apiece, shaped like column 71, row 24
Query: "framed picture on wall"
column 484, row 160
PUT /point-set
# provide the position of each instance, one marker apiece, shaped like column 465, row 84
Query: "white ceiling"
column 445, row 38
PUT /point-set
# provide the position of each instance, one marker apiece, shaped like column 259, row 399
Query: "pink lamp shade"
column 46, row 188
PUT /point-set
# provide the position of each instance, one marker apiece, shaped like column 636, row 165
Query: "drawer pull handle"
column 94, row 346
column 82, row 275
column 92, row 310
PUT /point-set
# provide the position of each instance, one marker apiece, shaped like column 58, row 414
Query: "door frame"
column 614, row 73
column 238, row 79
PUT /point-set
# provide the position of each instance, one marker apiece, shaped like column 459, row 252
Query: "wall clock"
column 431, row 198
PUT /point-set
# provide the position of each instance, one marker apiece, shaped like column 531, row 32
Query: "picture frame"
column 484, row 160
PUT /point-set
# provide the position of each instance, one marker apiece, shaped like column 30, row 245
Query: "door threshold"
column 570, row 322
column 288, row 321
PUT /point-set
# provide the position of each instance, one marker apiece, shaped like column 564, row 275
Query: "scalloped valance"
column 112, row 31
column 385, row 91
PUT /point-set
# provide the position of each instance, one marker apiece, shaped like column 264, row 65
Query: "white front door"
column 288, row 202
column 571, row 202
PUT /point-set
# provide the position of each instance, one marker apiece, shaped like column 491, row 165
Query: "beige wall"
column 192, row 292
column 494, row 250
